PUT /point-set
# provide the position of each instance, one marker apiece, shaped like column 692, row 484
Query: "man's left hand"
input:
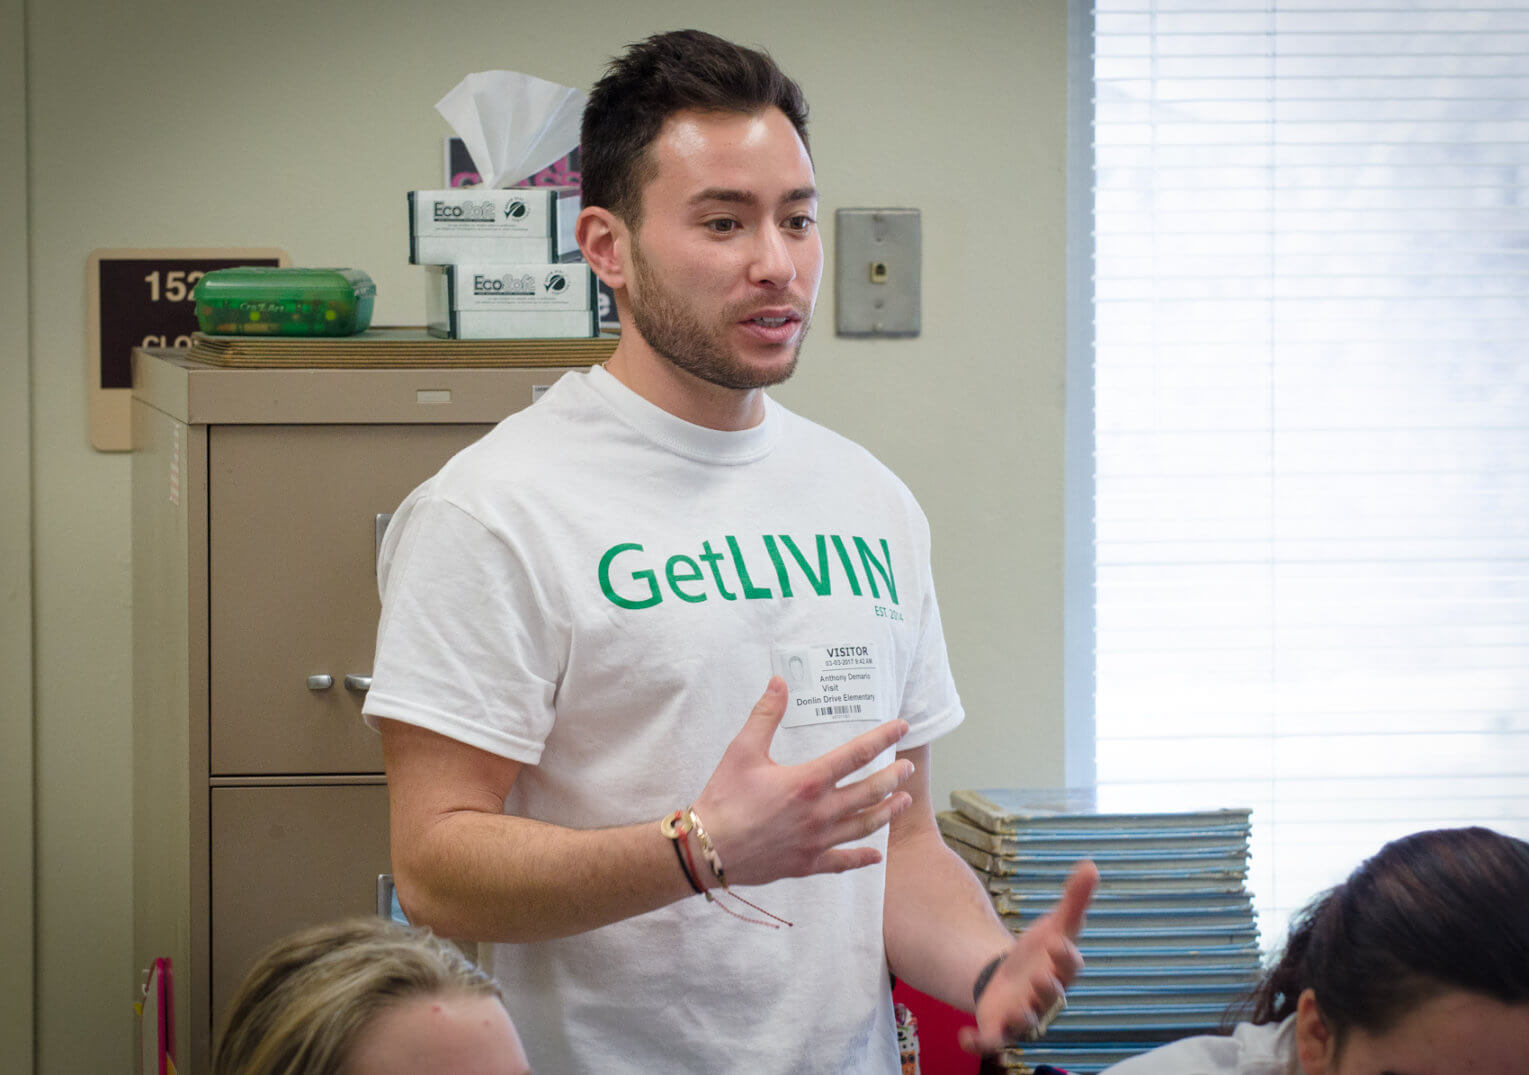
column 1033, row 977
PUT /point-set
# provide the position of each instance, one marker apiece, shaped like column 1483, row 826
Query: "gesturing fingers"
column 843, row 859
column 862, row 823
column 1026, row 992
column 1076, row 896
column 859, row 751
column 867, row 793
column 859, row 826
column 763, row 720
column 855, row 811
column 1029, row 986
column 772, row 821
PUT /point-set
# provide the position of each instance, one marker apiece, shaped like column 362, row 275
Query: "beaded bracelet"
column 708, row 849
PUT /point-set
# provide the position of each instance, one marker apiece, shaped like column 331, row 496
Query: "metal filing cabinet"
column 259, row 800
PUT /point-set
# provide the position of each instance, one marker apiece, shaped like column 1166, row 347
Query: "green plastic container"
column 260, row 301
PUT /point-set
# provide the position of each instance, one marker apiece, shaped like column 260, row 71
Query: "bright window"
column 1311, row 420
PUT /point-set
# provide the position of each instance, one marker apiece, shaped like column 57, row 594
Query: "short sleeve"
column 930, row 702
column 465, row 644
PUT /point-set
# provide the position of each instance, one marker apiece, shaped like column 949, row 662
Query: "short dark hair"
column 1431, row 912
column 655, row 78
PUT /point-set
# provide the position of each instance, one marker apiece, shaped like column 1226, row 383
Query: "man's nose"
column 774, row 264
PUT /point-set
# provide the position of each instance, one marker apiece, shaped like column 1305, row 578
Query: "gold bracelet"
column 708, row 849
column 673, row 825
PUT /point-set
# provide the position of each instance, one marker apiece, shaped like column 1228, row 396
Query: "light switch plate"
column 877, row 254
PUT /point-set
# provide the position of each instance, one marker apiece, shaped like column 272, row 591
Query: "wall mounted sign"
column 142, row 298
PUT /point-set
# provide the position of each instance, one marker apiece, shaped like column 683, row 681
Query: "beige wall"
column 300, row 125
column 16, row 948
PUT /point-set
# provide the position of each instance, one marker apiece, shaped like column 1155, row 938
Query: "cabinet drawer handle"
column 321, row 682
column 354, row 682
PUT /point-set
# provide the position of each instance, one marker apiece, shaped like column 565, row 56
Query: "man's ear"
column 1315, row 1043
column 604, row 239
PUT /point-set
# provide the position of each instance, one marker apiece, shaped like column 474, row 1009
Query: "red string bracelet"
column 682, row 841
column 671, row 827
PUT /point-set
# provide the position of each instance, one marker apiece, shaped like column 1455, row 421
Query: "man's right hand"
column 469, row 870
column 770, row 821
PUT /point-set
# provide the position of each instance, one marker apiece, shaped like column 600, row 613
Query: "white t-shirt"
column 1266, row 1049
column 601, row 591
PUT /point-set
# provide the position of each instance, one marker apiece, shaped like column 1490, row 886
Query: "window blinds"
column 1312, row 420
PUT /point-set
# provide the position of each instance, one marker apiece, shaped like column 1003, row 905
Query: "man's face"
column 726, row 262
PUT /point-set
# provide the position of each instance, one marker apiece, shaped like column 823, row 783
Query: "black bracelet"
column 679, row 854
column 985, row 975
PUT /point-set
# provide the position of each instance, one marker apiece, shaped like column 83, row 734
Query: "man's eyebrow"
column 725, row 194
column 748, row 197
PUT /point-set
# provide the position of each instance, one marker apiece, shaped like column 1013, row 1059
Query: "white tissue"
column 513, row 125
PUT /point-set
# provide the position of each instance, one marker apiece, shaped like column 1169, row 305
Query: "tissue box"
column 453, row 249
column 516, row 224
column 261, row 301
column 515, row 325
column 489, row 301
column 499, row 286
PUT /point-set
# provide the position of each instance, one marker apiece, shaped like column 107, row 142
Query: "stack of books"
column 1170, row 944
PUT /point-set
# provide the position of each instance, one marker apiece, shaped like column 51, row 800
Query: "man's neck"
column 659, row 381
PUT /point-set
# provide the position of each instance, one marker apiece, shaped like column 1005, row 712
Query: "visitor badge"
column 829, row 684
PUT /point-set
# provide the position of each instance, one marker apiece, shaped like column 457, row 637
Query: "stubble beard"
column 674, row 331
